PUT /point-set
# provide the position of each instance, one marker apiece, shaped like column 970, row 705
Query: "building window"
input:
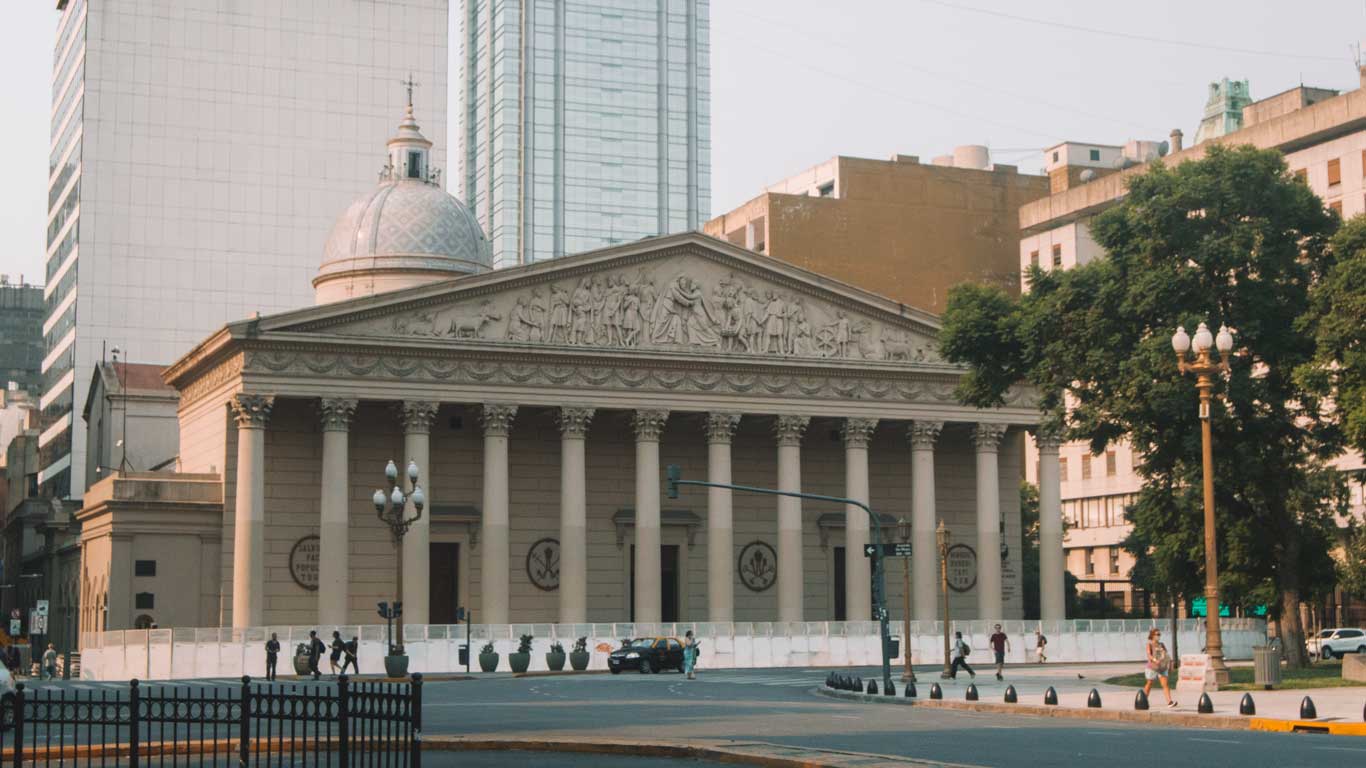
column 1336, row 207
column 826, row 190
column 1090, row 562
column 145, row 568
column 1114, row 560
column 144, row 601
column 1062, row 469
column 1034, row 259
column 1095, row 155
column 1057, row 256
column 1303, row 175
column 1111, row 464
column 1055, row 157
column 1086, row 466
column 1334, row 172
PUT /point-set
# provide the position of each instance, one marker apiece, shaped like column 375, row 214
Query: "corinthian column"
column 987, row 440
column 497, row 422
column 1051, row 558
column 334, row 580
column 417, row 429
column 720, row 528
column 649, row 425
column 789, row 430
column 924, row 570
column 573, row 515
column 857, row 568
column 252, row 413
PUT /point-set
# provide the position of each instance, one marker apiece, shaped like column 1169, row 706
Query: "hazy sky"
column 795, row 82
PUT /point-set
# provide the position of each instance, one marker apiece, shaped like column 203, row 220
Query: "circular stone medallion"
column 303, row 562
column 543, row 564
column 962, row 568
column 758, row 566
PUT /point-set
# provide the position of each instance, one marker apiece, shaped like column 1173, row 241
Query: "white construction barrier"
column 185, row 653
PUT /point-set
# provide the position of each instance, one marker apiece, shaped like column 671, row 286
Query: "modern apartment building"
column 584, row 122
column 21, row 334
column 902, row 229
column 201, row 151
column 1323, row 137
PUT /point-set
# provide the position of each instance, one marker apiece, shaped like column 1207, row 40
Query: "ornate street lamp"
column 390, row 509
column 1205, row 369
column 903, row 533
column 942, row 537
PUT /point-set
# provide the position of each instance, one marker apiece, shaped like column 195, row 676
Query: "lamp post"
column 941, row 537
column 903, row 533
column 390, row 509
column 1205, row 369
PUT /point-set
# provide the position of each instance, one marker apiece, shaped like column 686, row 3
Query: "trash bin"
column 893, row 647
column 1266, row 665
column 464, row 655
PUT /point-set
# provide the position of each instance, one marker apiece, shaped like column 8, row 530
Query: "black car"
column 647, row 654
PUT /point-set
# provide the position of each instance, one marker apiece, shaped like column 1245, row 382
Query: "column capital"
column 721, row 426
column 574, row 421
column 649, row 424
column 857, row 432
column 923, row 434
column 336, row 413
column 417, row 415
column 496, row 418
column 987, row 437
column 789, row 429
column 1047, row 437
column 251, row 411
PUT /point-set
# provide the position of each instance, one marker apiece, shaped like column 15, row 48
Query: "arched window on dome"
column 415, row 164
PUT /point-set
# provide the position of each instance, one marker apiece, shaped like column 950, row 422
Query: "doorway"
column 668, row 583
column 444, row 582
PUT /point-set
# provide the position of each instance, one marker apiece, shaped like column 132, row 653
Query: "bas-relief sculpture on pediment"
column 683, row 304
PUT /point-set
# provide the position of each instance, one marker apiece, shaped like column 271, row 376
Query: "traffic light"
column 673, row 473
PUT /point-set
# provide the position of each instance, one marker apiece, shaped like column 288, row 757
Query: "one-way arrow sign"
column 888, row 550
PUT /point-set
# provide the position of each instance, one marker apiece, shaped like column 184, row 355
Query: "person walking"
column 338, row 648
column 999, row 645
column 1158, row 666
column 1039, row 643
column 351, row 651
column 272, row 655
column 960, row 657
column 690, row 646
column 50, row 662
column 315, row 653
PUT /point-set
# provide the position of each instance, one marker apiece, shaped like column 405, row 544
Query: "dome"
column 407, row 231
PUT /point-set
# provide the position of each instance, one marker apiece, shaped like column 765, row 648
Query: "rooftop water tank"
column 971, row 156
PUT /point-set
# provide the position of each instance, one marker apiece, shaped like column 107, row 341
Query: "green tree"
column 1337, row 320
column 1231, row 238
column 1352, row 568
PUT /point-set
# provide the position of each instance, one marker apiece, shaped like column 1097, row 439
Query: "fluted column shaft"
column 925, row 563
column 1052, row 560
column 334, row 525
column 252, row 413
column 497, row 423
column 857, row 568
column 573, row 515
column 720, row 526
column 986, row 438
column 417, row 429
column 789, row 430
column 649, row 425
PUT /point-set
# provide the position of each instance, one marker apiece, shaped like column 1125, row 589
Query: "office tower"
column 21, row 334
column 201, row 151
column 584, row 122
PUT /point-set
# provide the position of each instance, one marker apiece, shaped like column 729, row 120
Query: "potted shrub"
column 555, row 658
column 396, row 663
column 488, row 660
column 520, row 660
column 579, row 657
column 301, row 660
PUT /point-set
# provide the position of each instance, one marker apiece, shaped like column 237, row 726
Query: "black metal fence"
column 346, row 724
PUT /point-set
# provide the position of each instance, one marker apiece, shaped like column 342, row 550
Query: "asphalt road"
column 779, row 706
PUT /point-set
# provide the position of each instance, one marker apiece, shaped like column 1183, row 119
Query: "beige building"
column 130, row 417
column 541, row 404
column 1323, row 136
column 906, row 230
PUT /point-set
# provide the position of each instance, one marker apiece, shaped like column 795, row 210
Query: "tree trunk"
column 1292, row 631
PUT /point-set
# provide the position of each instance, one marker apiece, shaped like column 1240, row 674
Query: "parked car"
column 1337, row 642
column 647, row 654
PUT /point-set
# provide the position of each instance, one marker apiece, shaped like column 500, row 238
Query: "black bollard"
column 910, row 690
column 972, row 692
column 1011, row 696
column 936, row 692
column 891, row 690
column 858, row 684
column 872, row 687
column 1247, row 706
column 1093, row 699
column 1050, row 697
column 1307, row 710
column 1141, row 701
column 1205, row 707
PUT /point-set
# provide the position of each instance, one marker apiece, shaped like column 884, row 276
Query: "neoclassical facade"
column 541, row 404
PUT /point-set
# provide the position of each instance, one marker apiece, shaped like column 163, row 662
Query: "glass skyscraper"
column 201, row 151
column 584, row 122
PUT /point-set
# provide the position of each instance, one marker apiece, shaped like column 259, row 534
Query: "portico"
column 542, row 401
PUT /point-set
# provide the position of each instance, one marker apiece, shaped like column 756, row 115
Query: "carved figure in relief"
column 521, row 326
column 582, row 306
column 558, row 330
column 631, row 320
column 596, row 311
column 611, row 311
column 802, row 343
column 683, row 317
column 536, row 314
column 751, row 320
column 648, row 298
column 732, row 317
column 775, row 324
column 796, row 314
column 457, row 324
column 843, row 334
column 898, row 347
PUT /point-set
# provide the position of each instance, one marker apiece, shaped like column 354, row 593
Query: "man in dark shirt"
column 1000, row 644
column 315, row 652
column 272, row 655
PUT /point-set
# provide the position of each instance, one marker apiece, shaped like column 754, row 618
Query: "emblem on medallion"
column 962, row 567
column 758, row 566
column 543, row 564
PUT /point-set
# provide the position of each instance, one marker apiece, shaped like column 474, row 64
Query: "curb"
column 560, row 673
column 1151, row 717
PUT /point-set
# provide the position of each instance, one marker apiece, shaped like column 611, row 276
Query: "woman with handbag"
column 1158, row 666
column 690, row 649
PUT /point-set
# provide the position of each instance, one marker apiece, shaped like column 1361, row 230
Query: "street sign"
column 37, row 625
column 15, row 628
column 888, row 550
column 41, row 608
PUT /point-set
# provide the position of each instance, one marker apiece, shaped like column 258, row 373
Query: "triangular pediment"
column 678, row 294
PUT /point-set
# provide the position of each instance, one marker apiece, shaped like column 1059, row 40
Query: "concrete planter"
column 578, row 660
column 301, row 664
column 519, row 661
column 396, row 665
column 488, row 662
column 555, row 661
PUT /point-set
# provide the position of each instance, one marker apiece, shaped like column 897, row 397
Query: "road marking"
column 846, row 717
column 1216, row 741
column 1342, row 749
column 1112, row 733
